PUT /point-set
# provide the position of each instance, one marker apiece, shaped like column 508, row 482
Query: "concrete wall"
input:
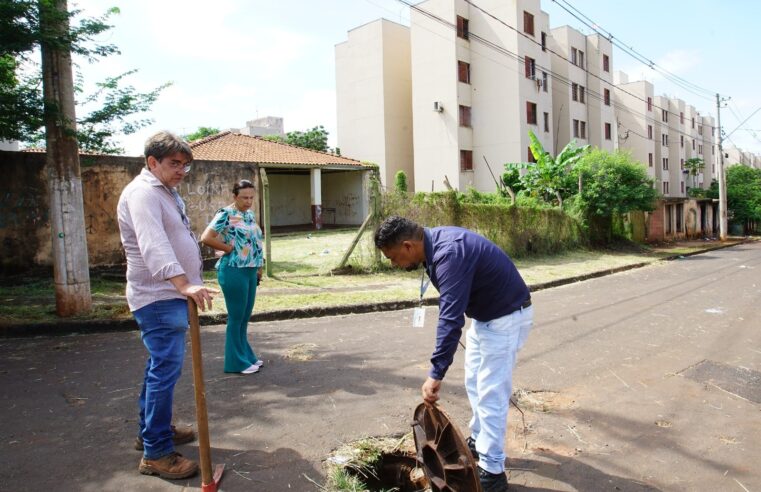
column 344, row 192
column 289, row 199
column 25, row 227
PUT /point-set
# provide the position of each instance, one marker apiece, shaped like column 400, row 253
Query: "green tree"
column 614, row 184
column 21, row 97
column 315, row 139
column 744, row 195
column 400, row 182
column 694, row 166
column 202, row 132
column 549, row 178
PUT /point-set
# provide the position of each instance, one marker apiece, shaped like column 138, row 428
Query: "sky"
column 231, row 61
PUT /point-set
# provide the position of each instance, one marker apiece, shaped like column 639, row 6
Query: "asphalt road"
column 643, row 380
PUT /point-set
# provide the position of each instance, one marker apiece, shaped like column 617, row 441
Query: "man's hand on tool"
column 431, row 390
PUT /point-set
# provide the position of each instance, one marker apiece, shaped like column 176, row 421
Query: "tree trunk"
column 511, row 193
column 70, row 261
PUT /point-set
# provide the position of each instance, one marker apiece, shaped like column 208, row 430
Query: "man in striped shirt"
column 163, row 269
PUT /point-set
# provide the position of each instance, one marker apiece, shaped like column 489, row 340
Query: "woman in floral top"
column 234, row 232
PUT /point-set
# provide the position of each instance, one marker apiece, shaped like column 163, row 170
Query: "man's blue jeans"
column 489, row 361
column 163, row 325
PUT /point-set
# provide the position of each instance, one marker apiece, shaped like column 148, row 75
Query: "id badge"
column 418, row 317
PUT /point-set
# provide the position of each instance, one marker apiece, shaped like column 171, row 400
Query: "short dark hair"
column 164, row 143
column 396, row 229
column 242, row 185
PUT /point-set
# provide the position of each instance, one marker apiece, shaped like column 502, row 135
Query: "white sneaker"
column 251, row 369
column 259, row 363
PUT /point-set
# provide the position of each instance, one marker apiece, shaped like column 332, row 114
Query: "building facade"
column 374, row 98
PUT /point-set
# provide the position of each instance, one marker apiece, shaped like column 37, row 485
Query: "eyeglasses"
column 175, row 165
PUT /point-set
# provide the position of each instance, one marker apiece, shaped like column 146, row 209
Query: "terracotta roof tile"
column 235, row 147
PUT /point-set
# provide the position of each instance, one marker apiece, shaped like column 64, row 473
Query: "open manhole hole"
column 376, row 464
column 433, row 457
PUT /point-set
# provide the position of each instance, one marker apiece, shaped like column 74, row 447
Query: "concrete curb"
column 97, row 326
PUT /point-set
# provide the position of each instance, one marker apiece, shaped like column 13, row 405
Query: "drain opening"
column 392, row 471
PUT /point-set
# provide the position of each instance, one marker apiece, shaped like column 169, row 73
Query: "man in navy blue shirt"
column 474, row 278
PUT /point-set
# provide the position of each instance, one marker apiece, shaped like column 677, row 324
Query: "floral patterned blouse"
column 240, row 229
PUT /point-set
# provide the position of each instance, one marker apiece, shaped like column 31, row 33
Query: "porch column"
column 315, row 183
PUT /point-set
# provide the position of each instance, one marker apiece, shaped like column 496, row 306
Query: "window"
column 712, row 150
column 575, row 91
column 606, row 96
column 682, row 183
column 577, row 57
column 466, row 160
column 463, row 72
column 664, row 115
column 581, row 94
column 583, row 129
column 575, row 128
column 530, row 113
column 693, row 144
column 462, row 27
column 530, row 66
column 650, row 132
column 666, row 189
column 650, row 159
column 681, row 164
column 545, row 81
column 544, row 41
column 528, row 23
column 546, row 122
column 700, row 129
column 608, row 131
column 465, row 116
column 681, row 141
column 693, row 122
column 649, row 103
column 665, row 139
column 700, row 148
column 665, row 163
column 681, row 118
column 530, row 155
column 605, row 63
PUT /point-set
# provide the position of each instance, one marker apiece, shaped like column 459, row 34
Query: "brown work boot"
column 172, row 466
column 179, row 436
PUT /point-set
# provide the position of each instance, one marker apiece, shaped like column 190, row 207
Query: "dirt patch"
column 541, row 400
column 301, row 352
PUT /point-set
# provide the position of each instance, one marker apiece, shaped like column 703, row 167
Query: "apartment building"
column 480, row 83
column 635, row 123
column 374, row 98
column 734, row 156
column 582, row 89
column 602, row 117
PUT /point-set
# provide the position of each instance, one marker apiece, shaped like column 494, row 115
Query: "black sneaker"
column 472, row 446
column 492, row 482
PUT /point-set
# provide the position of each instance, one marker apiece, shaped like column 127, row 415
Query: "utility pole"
column 722, row 177
column 67, row 222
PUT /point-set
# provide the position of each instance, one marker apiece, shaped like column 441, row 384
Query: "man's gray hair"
column 164, row 144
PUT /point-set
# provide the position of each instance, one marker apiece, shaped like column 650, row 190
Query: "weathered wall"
column 289, row 199
column 344, row 192
column 24, row 223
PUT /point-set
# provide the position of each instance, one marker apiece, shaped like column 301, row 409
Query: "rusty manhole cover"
column 739, row 381
column 443, row 452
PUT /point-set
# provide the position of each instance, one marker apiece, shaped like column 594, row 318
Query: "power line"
column 681, row 82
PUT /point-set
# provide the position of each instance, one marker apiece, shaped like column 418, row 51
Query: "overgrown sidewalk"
column 303, row 285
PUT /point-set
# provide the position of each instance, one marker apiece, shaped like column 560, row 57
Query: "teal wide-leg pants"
column 239, row 288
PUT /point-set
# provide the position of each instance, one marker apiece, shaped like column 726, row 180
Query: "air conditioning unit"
column 438, row 107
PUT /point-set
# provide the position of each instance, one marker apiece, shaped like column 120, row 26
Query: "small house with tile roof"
column 306, row 187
